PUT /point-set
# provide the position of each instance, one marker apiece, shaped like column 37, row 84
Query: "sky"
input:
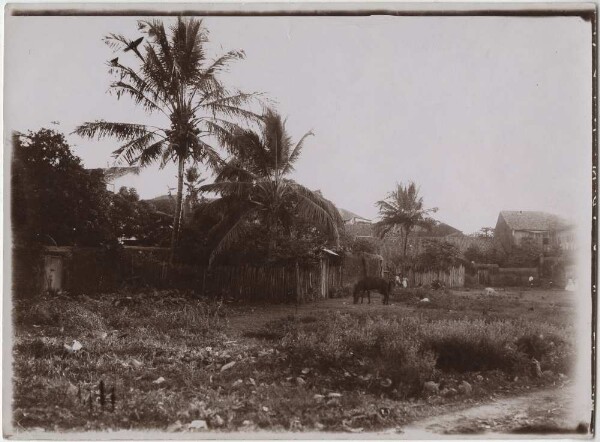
column 483, row 113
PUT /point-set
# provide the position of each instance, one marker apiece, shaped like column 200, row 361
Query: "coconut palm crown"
column 254, row 187
column 403, row 208
column 175, row 79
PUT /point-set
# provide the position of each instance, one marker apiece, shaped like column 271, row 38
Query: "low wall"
column 452, row 278
column 494, row 276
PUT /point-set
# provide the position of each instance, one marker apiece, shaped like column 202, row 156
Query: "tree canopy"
column 403, row 208
column 254, row 188
column 55, row 200
column 175, row 79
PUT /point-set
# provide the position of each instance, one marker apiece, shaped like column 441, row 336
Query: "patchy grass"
column 341, row 368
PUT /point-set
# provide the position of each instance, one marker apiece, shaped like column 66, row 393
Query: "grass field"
column 170, row 362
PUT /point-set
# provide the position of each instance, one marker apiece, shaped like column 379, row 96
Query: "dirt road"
column 546, row 411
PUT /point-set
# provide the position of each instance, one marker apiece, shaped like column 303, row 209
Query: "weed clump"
column 411, row 350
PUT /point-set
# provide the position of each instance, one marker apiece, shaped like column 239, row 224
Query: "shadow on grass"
column 582, row 428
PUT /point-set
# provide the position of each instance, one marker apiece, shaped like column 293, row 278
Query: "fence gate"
column 53, row 272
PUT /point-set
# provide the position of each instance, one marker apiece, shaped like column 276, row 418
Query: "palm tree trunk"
column 178, row 207
column 406, row 231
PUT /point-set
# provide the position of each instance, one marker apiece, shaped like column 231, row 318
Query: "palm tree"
column 254, row 187
column 403, row 208
column 176, row 80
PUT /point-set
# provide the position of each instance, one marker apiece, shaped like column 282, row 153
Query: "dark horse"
column 365, row 285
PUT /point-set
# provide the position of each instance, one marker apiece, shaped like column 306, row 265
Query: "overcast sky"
column 483, row 113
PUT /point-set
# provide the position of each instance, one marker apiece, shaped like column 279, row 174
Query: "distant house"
column 546, row 229
column 356, row 225
column 351, row 218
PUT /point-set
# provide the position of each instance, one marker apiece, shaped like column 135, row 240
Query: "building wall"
column 544, row 239
column 503, row 234
column 565, row 239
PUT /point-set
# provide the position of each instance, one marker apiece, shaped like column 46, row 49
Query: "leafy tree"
column 484, row 232
column 137, row 219
column 363, row 245
column 439, row 255
column 54, row 199
column 473, row 254
column 254, row 188
column 526, row 254
column 176, row 80
column 403, row 208
column 193, row 180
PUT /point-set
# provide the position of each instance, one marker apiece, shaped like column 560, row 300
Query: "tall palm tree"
column 253, row 187
column 403, row 208
column 176, row 80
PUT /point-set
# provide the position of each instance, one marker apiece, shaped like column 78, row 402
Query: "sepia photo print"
column 299, row 220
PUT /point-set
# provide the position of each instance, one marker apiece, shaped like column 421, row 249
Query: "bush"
column 409, row 350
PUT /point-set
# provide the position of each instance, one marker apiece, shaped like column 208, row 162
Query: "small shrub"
column 465, row 354
column 534, row 346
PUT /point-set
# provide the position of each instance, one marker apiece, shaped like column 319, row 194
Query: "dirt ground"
column 178, row 359
column 530, row 302
column 544, row 412
column 547, row 411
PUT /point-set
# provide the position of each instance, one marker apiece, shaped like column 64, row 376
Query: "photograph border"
column 586, row 11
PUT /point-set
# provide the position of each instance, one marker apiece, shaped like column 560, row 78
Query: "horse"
column 365, row 285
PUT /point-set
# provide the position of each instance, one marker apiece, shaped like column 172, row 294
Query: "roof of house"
column 439, row 230
column 347, row 215
column 533, row 220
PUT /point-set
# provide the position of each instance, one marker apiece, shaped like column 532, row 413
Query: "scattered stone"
column 176, row 426
column 424, row 300
column 237, row 383
column 516, row 379
column 136, row 363
column 562, row 376
column 265, row 409
column 319, row 426
column 227, row 366
column 305, row 370
column 489, row 291
column 295, row 425
column 160, row 380
column 386, row 383
column 76, row 346
column 300, row 381
column 431, row 387
column 72, row 390
column 479, row 378
column 198, row 425
column 318, row 397
column 334, row 395
column 548, row 374
column 217, row 421
column 251, row 381
column 448, row 392
column 465, row 388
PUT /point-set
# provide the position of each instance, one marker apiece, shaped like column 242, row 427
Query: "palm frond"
column 121, row 131
column 316, row 209
column 295, row 153
column 238, row 188
column 234, row 233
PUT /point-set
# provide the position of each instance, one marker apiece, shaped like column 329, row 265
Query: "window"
column 546, row 241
